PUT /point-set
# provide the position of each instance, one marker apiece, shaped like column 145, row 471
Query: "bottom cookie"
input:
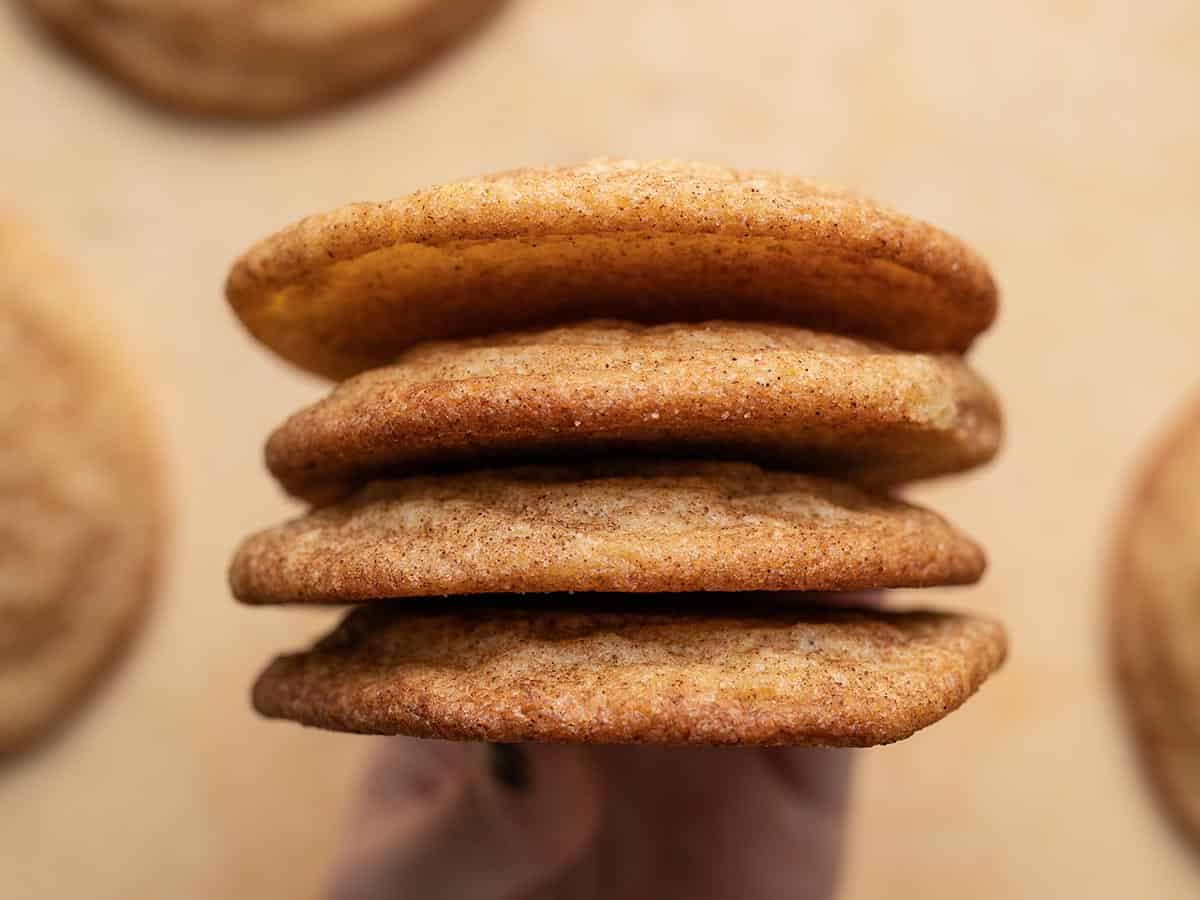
column 706, row 669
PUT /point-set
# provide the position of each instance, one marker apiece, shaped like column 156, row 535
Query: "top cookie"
column 81, row 494
column 345, row 291
column 257, row 58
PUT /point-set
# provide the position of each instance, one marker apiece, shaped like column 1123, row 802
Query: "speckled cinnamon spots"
column 81, row 503
column 770, row 393
column 348, row 290
column 1156, row 619
column 626, row 527
column 694, row 673
column 257, row 58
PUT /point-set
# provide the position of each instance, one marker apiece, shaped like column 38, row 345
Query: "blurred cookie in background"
column 1156, row 619
column 81, row 493
column 258, row 58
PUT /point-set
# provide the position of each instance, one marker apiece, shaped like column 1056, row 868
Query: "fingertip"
column 407, row 773
column 820, row 776
column 550, row 797
column 469, row 820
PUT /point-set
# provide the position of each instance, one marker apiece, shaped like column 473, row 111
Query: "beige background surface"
column 1063, row 143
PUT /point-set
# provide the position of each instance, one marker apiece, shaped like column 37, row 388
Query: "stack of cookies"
column 610, row 457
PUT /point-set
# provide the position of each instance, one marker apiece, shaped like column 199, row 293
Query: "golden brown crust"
column 346, row 291
column 81, row 493
column 768, row 393
column 1155, row 603
column 260, row 59
column 630, row 526
column 691, row 674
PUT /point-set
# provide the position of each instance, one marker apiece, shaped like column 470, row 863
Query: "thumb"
column 468, row 821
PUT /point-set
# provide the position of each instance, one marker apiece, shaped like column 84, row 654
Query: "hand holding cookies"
column 558, row 821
